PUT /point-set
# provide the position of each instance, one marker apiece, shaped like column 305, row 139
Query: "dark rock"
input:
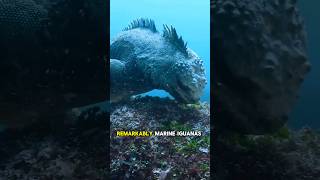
column 283, row 155
column 259, row 63
column 71, row 153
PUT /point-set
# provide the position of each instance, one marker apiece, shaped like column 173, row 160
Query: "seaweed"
column 171, row 35
column 142, row 23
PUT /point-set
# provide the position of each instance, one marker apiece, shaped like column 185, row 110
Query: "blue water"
column 306, row 111
column 191, row 18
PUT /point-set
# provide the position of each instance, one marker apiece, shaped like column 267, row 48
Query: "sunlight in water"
column 190, row 18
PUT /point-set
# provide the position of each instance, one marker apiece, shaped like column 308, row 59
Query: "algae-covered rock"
column 259, row 63
column 285, row 154
column 75, row 151
column 173, row 157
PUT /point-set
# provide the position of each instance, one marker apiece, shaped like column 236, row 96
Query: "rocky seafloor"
column 160, row 157
column 284, row 155
column 74, row 151
column 79, row 150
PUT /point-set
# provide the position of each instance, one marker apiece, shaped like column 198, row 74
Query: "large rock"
column 259, row 63
column 51, row 57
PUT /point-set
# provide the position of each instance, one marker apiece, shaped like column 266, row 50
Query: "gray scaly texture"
column 20, row 18
column 142, row 59
column 48, row 50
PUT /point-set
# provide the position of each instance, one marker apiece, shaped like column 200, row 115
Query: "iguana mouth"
column 182, row 86
column 183, row 93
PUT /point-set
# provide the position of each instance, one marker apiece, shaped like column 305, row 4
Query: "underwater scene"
column 265, row 72
column 52, row 60
column 190, row 18
column 160, row 90
column 59, row 119
column 306, row 110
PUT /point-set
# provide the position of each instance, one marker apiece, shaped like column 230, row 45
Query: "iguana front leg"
column 127, row 80
column 117, row 80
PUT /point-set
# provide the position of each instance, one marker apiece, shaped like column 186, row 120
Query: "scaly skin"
column 143, row 60
column 51, row 58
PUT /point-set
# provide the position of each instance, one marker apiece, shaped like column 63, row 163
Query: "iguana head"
column 186, row 80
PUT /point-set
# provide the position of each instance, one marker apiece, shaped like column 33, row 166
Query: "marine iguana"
column 142, row 59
